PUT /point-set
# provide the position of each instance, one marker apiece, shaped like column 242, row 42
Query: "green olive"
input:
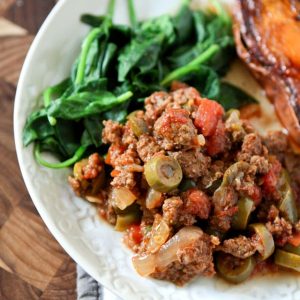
column 287, row 260
column 234, row 269
column 266, row 239
column 124, row 221
column 292, row 249
column 138, row 125
column 287, row 205
column 241, row 218
column 163, row 173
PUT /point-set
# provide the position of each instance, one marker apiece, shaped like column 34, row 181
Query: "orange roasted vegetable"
column 267, row 35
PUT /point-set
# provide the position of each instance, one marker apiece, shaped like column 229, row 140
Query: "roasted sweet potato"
column 267, row 35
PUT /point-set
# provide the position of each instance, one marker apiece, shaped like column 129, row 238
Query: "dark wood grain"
column 13, row 287
column 29, row 14
column 32, row 264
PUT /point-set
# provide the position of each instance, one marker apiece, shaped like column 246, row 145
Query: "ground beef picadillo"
column 223, row 161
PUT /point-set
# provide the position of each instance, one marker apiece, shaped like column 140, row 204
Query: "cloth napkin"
column 89, row 289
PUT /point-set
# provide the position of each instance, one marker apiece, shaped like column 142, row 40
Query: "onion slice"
column 122, row 197
column 147, row 264
column 153, row 199
column 159, row 234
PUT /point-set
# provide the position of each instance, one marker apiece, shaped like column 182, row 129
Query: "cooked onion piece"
column 122, row 197
column 147, row 264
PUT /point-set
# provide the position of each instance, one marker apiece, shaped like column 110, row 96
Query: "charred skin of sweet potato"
column 267, row 35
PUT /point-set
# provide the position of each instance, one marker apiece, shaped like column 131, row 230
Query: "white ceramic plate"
column 89, row 241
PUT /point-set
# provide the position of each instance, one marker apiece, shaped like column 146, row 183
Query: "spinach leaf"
column 92, row 20
column 94, row 128
column 139, row 51
column 231, row 96
column 50, row 144
column 37, row 127
column 200, row 25
column 68, row 136
column 183, row 24
column 144, row 50
column 85, row 104
column 94, row 85
column 108, row 57
column 206, row 81
column 118, row 113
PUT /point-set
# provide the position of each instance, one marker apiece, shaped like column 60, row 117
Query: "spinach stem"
column 132, row 14
column 95, row 33
column 47, row 100
column 110, row 9
column 124, row 96
column 191, row 66
column 67, row 163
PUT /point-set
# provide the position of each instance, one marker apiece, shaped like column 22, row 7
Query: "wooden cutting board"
column 32, row 263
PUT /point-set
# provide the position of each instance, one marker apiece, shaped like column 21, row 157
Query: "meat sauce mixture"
column 196, row 190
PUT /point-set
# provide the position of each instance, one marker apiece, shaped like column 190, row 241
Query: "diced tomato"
column 114, row 173
column 177, row 115
column 113, row 152
column 256, row 195
column 271, row 178
column 208, row 115
column 216, row 143
column 136, row 233
column 295, row 240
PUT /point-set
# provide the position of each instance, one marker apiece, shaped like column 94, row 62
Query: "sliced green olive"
column 241, row 218
column 130, row 215
column 287, row 205
column 138, row 125
column 186, row 184
column 287, row 260
column 292, row 249
column 124, row 221
column 265, row 238
column 234, row 269
column 163, row 173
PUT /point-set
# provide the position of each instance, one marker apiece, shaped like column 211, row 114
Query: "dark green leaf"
column 120, row 35
column 233, row 97
column 92, row 20
column 95, row 85
column 200, row 24
column 50, row 144
column 109, row 54
column 206, row 81
column 84, row 104
column 94, row 128
column 138, row 51
column 68, row 136
column 37, row 127
column 157, row 26
column 118, row 113
column 183, row 24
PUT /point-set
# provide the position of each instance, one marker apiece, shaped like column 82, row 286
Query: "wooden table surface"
column 32, row 264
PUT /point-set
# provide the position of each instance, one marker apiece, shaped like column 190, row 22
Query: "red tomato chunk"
column 208, row 115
